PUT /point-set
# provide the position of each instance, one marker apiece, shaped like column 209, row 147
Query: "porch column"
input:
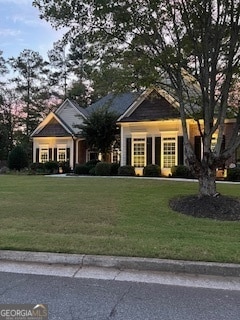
column 153, row 149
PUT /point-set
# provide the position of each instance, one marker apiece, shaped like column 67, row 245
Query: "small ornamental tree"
column 17, row 159
column 99, row 130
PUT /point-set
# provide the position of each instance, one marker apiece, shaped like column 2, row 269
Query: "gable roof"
column 52, row 126
column 153, row 104
column 81, row 111
column 53, row 129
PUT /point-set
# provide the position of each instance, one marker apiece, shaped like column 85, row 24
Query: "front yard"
column 111, row 216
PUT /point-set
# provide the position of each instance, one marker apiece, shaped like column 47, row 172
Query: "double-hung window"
column 43, row 154
column 169, row 151
column 61, row 153
column 139, row 152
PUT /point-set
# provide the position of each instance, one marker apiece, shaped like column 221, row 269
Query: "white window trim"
column 139, row 135
column 41, row 148
column 169, row 134
column 61, row 146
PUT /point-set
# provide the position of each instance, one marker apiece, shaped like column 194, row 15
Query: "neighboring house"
column 150, row 132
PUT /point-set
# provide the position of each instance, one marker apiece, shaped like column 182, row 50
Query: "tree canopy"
column 99, row 130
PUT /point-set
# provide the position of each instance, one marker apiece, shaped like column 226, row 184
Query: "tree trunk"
column 207, row 183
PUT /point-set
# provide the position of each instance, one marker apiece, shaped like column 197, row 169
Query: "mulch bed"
column 219, row 208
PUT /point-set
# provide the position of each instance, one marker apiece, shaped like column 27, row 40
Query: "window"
column 139, row 146
column 169, row 152
column 43, row 154
column 213, row 143
column 61, row 155
column 92, row 155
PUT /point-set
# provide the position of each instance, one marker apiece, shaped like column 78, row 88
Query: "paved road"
column 105, row 294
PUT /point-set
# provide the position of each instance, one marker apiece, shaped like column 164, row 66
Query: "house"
column 57, row 137
column 150, row 132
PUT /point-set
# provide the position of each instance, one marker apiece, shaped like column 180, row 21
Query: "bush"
column 152, row 170
column 233, row 174
column 17, row 159
column 181, row 171
column 103, row 169
column 37, row 167
column 114, row 169
column 4, row 170
column 51, row 167
column 126, row 171
column 65, row 167
column 81, row 169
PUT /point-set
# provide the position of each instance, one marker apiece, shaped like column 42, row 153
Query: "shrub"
column 51, row 167
column 17, row 159
column 152, row 170
column 233, row 174
column 114, row 169
column 103, row 169
column 65, row 167
column 4, row 170
column 181, row 171
column 126, row 171
column 92, row 171
column 81, row 169
column 37, row 167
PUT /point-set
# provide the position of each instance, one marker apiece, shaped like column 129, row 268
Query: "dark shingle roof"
column 118, row 103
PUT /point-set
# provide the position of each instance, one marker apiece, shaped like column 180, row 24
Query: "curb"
column 123, row 263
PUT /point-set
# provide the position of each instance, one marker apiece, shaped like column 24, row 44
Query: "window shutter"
column 223, row 143
column 149, row 151
column 68, row 154
column 158, row 151
column 55, row 154
column 180, row 150
column 37, row 155
column 197, row 147
column 128, row 151
column 50, row 154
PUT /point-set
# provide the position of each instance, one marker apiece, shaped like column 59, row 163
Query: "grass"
column 105, row 216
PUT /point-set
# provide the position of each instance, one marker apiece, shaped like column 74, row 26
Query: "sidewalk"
column 122, row 263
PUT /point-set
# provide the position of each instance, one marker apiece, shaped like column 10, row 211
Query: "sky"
column 21, row 28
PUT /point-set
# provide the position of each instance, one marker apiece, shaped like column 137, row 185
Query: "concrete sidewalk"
column 122, row 263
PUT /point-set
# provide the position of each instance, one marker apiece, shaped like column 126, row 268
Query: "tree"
column 9, row 122
column 193, row 44
column 59, row 62
column 17, row 159
column 31, row 83
column 99, row 129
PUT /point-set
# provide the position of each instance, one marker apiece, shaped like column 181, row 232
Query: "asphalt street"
column 84, row 293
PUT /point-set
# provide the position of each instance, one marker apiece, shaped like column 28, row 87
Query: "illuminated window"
column 62, row 155
column 169, row 152
column 213, row 143
column 139, row 153
column 44, row 154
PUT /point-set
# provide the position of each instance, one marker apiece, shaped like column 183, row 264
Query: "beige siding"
column 71, row 116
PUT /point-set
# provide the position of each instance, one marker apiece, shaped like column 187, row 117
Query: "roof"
column 117, row 103
column 153, row 107
column 53, row 129
column 52, row 126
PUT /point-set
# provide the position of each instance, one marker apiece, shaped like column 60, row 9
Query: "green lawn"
column 106, row 216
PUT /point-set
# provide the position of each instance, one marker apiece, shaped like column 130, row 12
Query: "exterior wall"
column 81, row 152
column 150, row 129
column 52, row 143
